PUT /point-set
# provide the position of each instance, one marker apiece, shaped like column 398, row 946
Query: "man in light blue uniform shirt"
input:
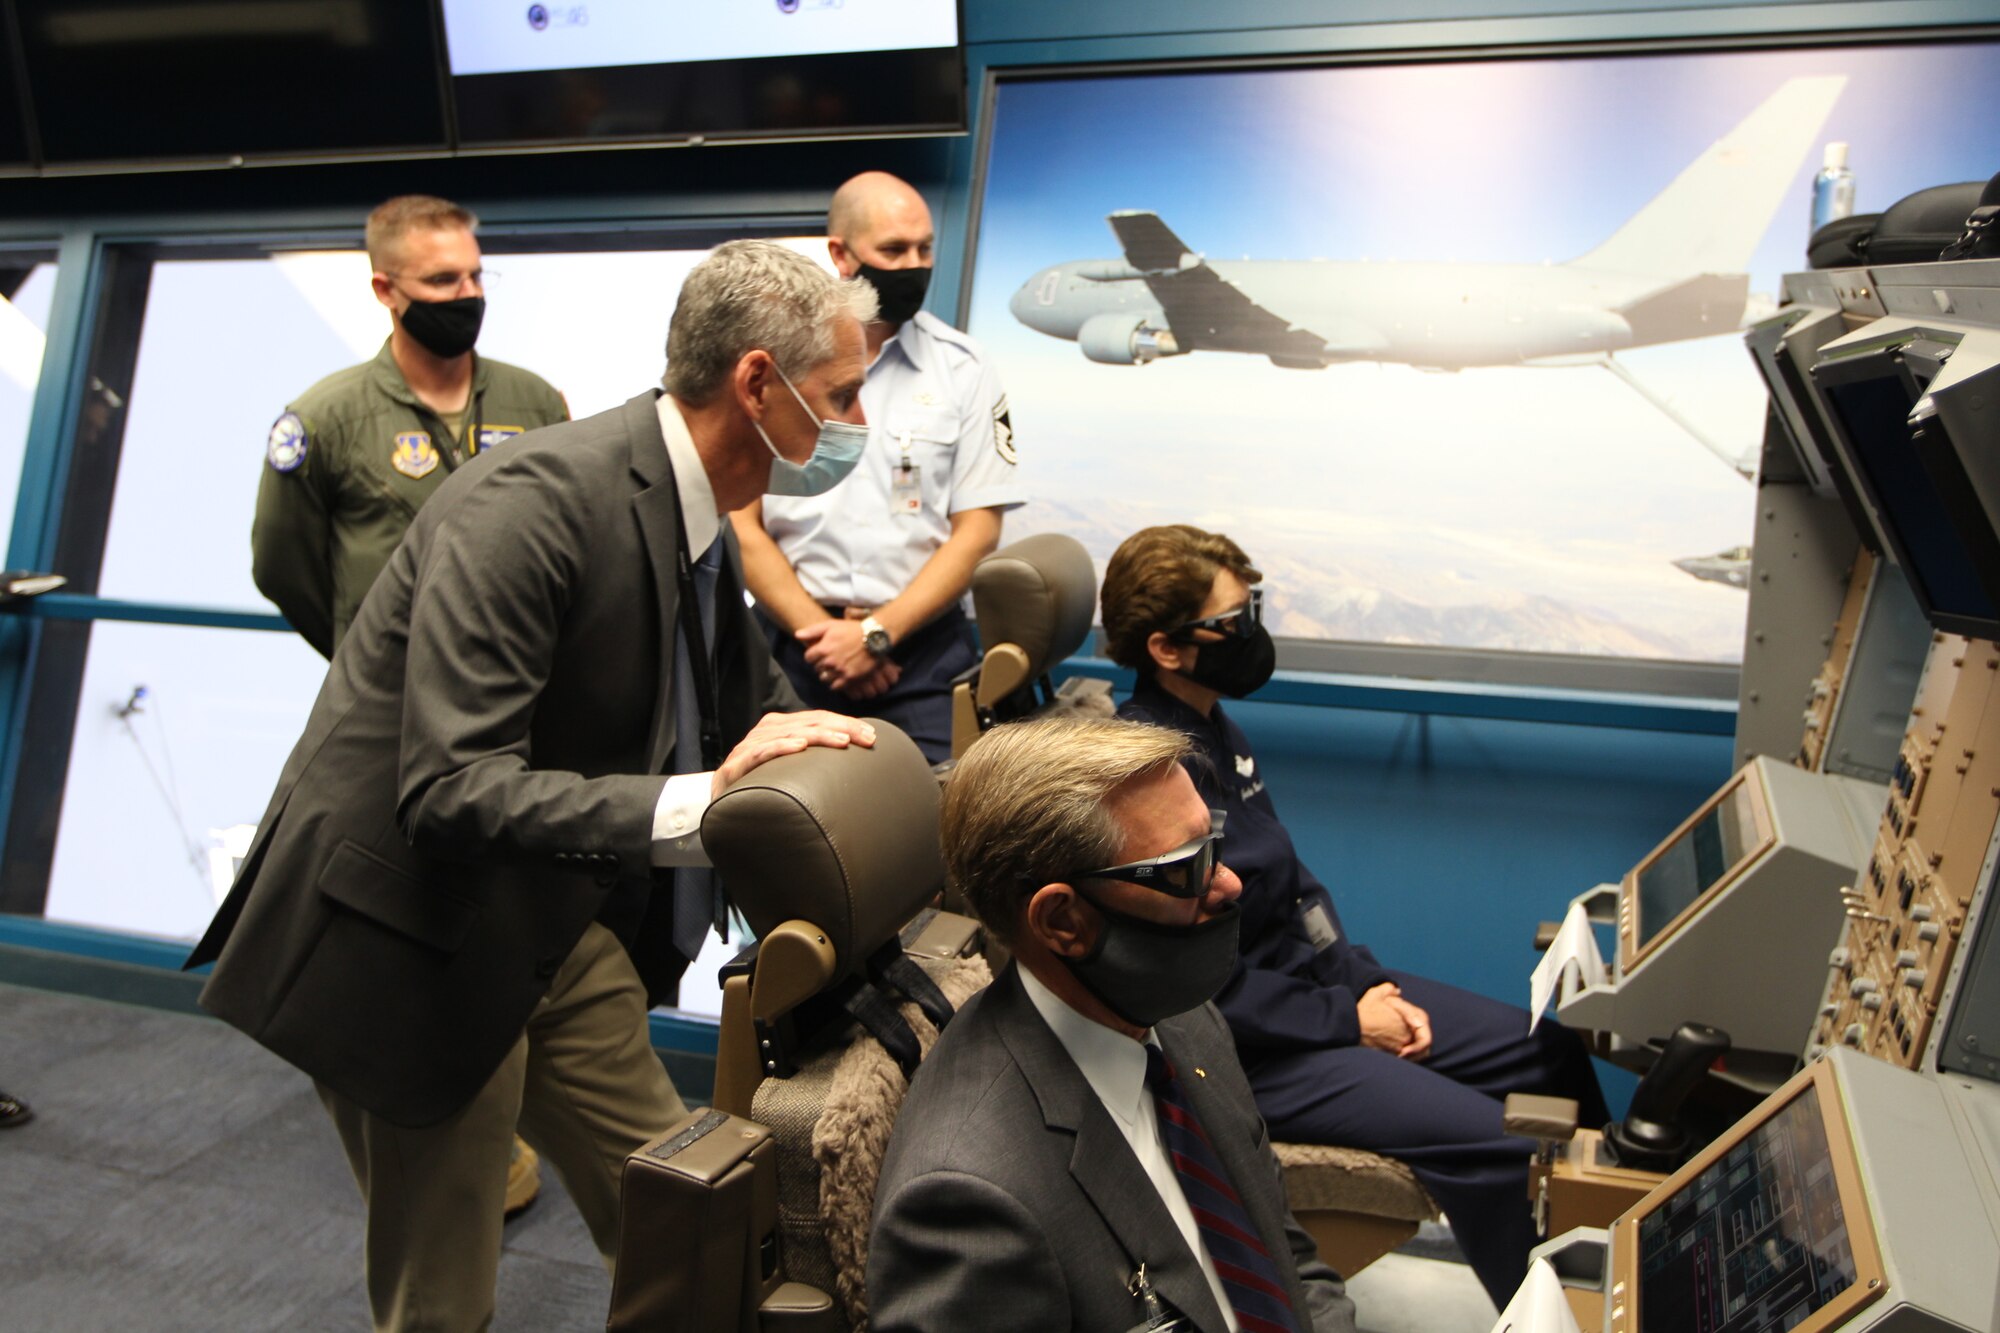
column 861, row 589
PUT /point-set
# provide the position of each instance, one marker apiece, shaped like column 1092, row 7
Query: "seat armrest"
column 796, row 1308
column 946, row 935
column 1549, row 1119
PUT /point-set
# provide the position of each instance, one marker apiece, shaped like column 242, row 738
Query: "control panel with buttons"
column 1905, row 916
column 1823, row 696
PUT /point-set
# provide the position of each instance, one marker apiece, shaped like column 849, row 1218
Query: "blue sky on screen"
column 1509, row 507
column 1504, row 161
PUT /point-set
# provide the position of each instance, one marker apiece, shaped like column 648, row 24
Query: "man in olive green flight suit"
column 353, row 457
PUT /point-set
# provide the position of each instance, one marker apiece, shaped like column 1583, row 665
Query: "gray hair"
column 1025, row 806
column 755, row 294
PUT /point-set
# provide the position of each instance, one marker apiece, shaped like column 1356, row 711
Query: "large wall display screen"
column 1454, row 350
column 637, row 69
column 139, row 79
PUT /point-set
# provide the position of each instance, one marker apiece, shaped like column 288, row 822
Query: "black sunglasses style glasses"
column 1240, row 623
column 1184, row 872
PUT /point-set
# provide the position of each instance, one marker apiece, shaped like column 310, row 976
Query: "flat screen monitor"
column 1766, row 1231
column 135, row 80
column 1872, row 391
column 1702, row 857
column 1945, row 458
column 640, row 71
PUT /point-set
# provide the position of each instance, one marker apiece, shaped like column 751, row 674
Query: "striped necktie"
column 1249, row 1277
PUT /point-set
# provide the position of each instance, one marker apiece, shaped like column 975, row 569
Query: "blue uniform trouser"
column 920, row 700
column 1441, row 1115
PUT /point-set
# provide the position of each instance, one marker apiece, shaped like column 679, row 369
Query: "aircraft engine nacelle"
column 1126, row 340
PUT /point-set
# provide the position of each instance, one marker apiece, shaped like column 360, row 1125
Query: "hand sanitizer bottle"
column 1833, row 188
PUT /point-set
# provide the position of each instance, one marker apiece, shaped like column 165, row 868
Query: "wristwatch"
column 874, row 638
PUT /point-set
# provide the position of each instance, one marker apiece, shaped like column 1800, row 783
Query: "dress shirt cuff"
column 677, row 820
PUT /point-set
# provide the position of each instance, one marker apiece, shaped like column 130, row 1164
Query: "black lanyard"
column 469, row 441
column 695, row 642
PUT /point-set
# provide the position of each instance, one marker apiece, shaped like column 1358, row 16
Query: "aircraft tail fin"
column 1711, row 218
column 1150, row 244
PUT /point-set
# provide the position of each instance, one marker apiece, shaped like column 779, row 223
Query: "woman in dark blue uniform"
column 1339, row 1049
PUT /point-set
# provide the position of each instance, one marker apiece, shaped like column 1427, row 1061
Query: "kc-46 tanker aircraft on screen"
column 1677, row 270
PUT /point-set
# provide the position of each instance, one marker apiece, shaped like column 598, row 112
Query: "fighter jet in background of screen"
column 1676, row 270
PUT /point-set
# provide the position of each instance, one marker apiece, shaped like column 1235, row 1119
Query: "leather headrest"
column 845, row 839
column 1040, row 593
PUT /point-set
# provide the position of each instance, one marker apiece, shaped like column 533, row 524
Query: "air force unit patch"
column 286, row 449
column 414, row 455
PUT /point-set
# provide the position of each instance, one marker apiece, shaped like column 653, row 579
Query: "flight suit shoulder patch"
column 285, row 451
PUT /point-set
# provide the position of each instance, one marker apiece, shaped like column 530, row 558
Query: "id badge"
column 906, row 491
column 1319, row 928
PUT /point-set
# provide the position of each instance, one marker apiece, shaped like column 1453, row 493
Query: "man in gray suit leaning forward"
column 449, row 916
column 1080, row 1150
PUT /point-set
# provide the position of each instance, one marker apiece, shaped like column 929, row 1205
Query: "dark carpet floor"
column 179, row 1177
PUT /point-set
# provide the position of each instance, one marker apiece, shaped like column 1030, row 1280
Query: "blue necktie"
column 1249, row 1277
column 698, row 903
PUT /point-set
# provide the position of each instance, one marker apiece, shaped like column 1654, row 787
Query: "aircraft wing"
column 1204, row 310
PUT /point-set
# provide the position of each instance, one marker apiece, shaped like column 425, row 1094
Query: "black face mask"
column 445, row 328
column 900, row 291
column 1235, row 667
column 1144, row 971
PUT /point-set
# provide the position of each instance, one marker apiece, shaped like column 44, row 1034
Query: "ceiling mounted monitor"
column 129, row 82
column 635, row 71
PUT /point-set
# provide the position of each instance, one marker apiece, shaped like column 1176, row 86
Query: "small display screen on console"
column 1757, row 1241
column 1688, row 866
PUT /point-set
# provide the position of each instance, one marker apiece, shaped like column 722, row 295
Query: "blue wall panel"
column 1445, row 840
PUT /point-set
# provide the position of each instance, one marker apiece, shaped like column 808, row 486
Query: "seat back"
column 828, row 854
column 1034, row 601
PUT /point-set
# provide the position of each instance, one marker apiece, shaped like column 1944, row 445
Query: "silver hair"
column 755, row 294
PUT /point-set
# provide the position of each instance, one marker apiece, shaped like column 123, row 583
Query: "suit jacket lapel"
column 657, row 510
column 1102, row 1163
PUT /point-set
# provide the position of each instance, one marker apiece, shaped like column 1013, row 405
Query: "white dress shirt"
column 1115, row 1067
column 677, row 817
column 932, row 400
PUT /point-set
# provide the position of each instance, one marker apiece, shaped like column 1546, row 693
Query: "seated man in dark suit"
column 449, row 916
column 1080, row 1150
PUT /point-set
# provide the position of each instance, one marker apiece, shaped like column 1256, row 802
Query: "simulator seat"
column 1034, row 602
column 1355, row 1205
column 753, row 1216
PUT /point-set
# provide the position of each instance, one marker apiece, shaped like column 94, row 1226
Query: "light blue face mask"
column 834, row 454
